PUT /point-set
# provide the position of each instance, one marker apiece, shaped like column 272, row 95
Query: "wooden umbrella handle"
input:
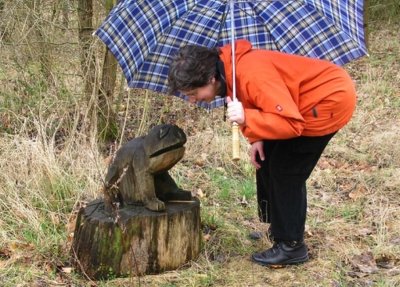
column 235, row 142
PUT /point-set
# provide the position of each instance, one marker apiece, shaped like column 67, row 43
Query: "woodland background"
column 65, row 109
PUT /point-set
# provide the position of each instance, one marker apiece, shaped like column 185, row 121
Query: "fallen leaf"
column 394, row 271
column 358, row 193
column 107, row 160
column 364, row 231
column 206, row 237
column 5, row 253
column 385, row 262
column 395, row 240
column 199, row 162
column 355, row 274
column 199, row 193
column 323, row 164
column 67, row 270
column 48, row 267
column 221, row 169
column 244, row 202
column 307, row 231
column 364, row 262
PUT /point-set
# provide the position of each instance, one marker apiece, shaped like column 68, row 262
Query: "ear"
column 213, row 80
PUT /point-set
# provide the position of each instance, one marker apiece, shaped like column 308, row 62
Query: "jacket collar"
column 242, row 47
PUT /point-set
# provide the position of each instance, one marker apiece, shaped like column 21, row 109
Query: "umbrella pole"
column 235, row 126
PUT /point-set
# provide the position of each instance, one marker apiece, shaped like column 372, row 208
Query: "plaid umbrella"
column 145, row 34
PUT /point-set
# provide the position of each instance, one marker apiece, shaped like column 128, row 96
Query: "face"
column 205, row 93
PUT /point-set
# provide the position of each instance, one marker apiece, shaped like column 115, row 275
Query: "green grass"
column 228, row 187
column 378, row 10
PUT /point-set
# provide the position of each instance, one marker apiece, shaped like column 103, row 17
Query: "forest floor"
column 353, row 224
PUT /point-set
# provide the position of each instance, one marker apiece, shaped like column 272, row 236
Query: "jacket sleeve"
column 271, row 112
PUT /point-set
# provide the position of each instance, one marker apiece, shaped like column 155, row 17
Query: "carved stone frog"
column 139, row 171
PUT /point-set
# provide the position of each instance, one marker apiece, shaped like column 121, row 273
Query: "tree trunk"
column 85, row 14
column 107, row 125
column 136, row 241
column 3, row 33
column 41, row 48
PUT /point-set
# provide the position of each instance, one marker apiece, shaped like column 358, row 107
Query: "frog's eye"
column 163, row 132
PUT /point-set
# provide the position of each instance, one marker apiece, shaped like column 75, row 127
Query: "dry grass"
column 50, row 164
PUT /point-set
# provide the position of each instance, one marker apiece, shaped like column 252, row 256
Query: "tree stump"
column 135, row 240
column 146, row 223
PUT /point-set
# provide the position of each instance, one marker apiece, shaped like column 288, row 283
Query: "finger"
column 232, row 118
column 261, row 154
column 255, row 164
column 231, row 104
column 253, row 159
column 233, row 109
column 232, row 112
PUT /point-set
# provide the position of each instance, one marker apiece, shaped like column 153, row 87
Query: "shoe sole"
column 286, row 263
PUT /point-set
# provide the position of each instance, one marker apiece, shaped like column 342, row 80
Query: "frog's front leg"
column 149, row 197
column 167, row 190
column 155, row 204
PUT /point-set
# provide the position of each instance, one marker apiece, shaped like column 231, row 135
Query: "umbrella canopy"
column 144, row 35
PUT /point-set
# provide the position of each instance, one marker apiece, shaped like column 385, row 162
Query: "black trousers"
column 281, row 183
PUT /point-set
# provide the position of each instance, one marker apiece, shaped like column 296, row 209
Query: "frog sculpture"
column 139, row 171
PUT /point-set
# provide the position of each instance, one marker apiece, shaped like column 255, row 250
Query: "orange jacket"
column 285, row 96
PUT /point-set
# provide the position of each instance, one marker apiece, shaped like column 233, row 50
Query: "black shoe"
column 282, row 253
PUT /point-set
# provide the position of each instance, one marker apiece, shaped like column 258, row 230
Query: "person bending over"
column 288, row 107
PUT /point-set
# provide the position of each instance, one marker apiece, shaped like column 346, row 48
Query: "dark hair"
column 192, row 67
